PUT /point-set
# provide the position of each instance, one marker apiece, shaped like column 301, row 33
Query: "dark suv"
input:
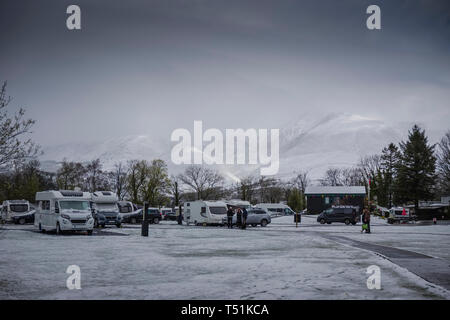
column 345, row 214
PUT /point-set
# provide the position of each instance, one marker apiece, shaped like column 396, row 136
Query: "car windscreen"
column 126, row 208
column 107, row 207
column 218, row 210
column 18, row 207
column 74, row 205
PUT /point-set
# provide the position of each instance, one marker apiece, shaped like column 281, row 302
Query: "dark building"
column 321, row 198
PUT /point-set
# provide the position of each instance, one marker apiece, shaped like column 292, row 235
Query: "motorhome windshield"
column 218, row 210
column 74, row 205
column 107, row 207
column 18, row 207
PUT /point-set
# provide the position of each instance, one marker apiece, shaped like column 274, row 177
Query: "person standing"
column 366, row 219
column 238, row 217
column 230, row 214
column 244, row 218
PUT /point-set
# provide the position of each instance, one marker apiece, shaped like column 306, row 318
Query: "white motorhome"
column 11, row 208
column 106, row 209
column 204, row 212
column 239, row 203
column 399, row 214
column 275, row 209
column 63, row 210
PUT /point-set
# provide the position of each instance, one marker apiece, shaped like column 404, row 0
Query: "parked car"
column 133, row 217
column 345, row 214
column 170, row 216
column 154, row 215
column 255, row 217
column 27, row 217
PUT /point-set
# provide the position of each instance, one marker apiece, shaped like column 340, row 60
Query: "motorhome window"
column 45, row 205
column 218, row 210
column 18, row 207
column 74, row 205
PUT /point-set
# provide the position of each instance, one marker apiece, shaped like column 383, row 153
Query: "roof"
column 336, row 190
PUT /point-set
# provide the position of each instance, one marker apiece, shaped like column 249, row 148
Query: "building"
column 323, row 197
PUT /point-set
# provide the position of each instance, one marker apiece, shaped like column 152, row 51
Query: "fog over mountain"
column 309, row 143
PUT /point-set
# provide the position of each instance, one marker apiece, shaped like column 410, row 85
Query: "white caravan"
column 11, row 208
column 106, row 209
column 275, row 209
column 63, row 210
column 204, row 212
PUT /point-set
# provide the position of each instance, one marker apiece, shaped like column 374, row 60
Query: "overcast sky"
column 148, row 67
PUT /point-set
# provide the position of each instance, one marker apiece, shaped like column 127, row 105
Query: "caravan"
column 204, row 212
column 63, row 211
column 275, row 209
column 105, row 208
column 13, row 208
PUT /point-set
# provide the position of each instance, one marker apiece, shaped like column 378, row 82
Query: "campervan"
column 12, row 208
column 63, row 210
column 238, row 203
column 398, row 215
column 204, row 212
column 105, row 208
column 275, row 209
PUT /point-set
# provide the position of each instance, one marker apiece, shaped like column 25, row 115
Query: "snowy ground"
column 180, row 262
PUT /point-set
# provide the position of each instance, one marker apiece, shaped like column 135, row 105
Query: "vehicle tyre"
column 254, row 225
column 22, row 221
column 263, row 222
column 133, row 220
column 89, row 232
column 347, row 222
column 156, row 220
column 322, row 221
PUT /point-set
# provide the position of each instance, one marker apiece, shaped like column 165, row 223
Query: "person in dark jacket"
column 230, row 214
column 238, row 217
column 366, row 220
column 244, row 218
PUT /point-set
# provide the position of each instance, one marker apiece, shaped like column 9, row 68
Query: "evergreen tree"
column 389, row 162
column 416, row 168
column 295, row 200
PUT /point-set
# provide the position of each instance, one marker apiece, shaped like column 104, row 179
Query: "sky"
column 149, row 67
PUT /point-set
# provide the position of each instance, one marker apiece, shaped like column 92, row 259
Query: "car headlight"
column 65, row 216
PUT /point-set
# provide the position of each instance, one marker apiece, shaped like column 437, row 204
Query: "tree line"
column 408, row 172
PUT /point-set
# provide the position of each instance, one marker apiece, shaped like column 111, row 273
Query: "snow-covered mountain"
column 308, row 143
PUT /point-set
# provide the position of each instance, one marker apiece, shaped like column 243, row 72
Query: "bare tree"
column 14, row 144
column 119, row 180
column 175, row 190
column 94, row 175
column 443, row 163
column 301, row 181
column 352, row 177
column 203, row 181
column 70, row 175
column 246, row 187
column 156, row 185
column 369, row 166
column 332, row 177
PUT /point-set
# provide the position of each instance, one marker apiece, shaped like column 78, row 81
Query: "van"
column 275, row 209
column 12, row 208
column 398, row 215
column 345, row 214
column 204, row 212
column 105, row 208
column 63, row 210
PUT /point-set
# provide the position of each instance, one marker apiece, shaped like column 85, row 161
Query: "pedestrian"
column 244, row 218
column 230, row 214
column 238, row 217
column 366, row 220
